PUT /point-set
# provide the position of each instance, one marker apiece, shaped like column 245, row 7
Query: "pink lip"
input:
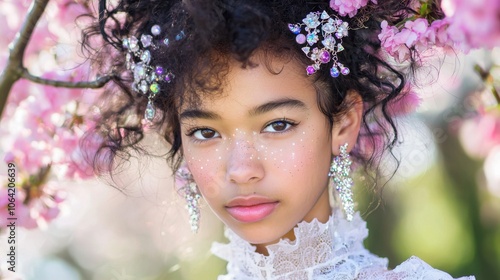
column 251, row 209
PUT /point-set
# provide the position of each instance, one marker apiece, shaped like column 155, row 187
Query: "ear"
column 346, row 130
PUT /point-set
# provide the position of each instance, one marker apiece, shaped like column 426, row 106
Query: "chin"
column 259, row 233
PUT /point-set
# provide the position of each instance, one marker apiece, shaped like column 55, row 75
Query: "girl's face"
column 260, row 152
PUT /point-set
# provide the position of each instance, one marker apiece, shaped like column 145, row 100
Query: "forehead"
column 266, row 80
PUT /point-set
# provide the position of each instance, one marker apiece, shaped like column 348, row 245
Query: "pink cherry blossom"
column 404, row 104
column 474, row 23
column 67, row 11
column 348, row 7
column 38, row 211
column 398, row 43
column 42, row 126
column 437, row 34
column 480, row 135
column 394, row 45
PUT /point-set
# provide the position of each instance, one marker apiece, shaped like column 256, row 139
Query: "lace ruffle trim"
column 317, row 247
column 321, row 251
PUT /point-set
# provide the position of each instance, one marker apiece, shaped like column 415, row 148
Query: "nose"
column 244, row 165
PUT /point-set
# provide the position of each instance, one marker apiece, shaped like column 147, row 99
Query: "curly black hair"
column 218, row 31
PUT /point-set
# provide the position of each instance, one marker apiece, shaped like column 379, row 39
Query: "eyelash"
column 286, row 121
column 193, row 130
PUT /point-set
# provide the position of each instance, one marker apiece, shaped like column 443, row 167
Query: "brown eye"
column 205, row 134
column 279, row 126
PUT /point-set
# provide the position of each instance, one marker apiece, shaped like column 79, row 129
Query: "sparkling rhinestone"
column 159, row 70
column 312, row 38
column 329, row 28
column 155, row 88
column 139, row 71
column 324, row 56
column 133, row 44
column 146, row 40
column 180, row 35
column 340, row 47
column 166, row 41
column 328, row 42
column 146, row 57
column 306, row 50
column 334, row 72
column 310, row 70
column 155, row 30
column 311, row 20
column 168, row 78
column 315, row 54
column 144, row 86
column 316, row 67
column 149, row 114
column 152, row 77
column 125, row 43
column 295, row 28
column 344, row 70
column 300, row 39
column 324, row 15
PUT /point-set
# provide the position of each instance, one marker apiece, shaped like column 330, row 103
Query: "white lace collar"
column 330, row 251
column 318, row 251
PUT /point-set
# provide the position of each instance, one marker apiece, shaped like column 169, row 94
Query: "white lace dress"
column 333, row 250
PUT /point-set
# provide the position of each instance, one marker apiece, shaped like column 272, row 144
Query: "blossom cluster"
column 42, row 126
column 349, row 7
column 466, row 25
column 416, row 35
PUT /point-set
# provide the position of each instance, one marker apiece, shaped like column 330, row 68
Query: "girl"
column 265, row 102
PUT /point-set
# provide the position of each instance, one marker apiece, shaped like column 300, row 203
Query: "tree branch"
column 12, row 72
column 97, row 83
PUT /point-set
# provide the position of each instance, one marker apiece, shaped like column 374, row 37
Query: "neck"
column 321, row 211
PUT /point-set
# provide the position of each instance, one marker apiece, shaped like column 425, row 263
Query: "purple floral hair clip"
column 323, row 41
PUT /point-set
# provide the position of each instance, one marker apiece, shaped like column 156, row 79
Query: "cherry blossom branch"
column 97, row 83
column 12, row 72
column 488, row 78
column 15, row 69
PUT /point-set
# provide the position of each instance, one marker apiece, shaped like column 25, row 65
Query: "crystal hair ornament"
column 340, row 171
column 147, row 78
column 323, row 41
column 191, row 194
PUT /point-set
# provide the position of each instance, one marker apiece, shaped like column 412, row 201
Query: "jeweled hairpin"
column 322, row 30
column 147, row 79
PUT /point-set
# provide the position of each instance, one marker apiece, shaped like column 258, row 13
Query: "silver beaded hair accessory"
column 340, row 171
column 323, row 41
column 147, row 78
column 192, row 196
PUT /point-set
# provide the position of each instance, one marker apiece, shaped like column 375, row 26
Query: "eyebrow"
column 277, row 104
column 261, row 109
column 199, row 114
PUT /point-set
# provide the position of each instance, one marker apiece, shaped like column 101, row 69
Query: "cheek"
column 297, row 156
column 205, row 165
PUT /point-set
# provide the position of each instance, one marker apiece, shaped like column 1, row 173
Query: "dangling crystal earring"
column 186, row 184
column 340, row 172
